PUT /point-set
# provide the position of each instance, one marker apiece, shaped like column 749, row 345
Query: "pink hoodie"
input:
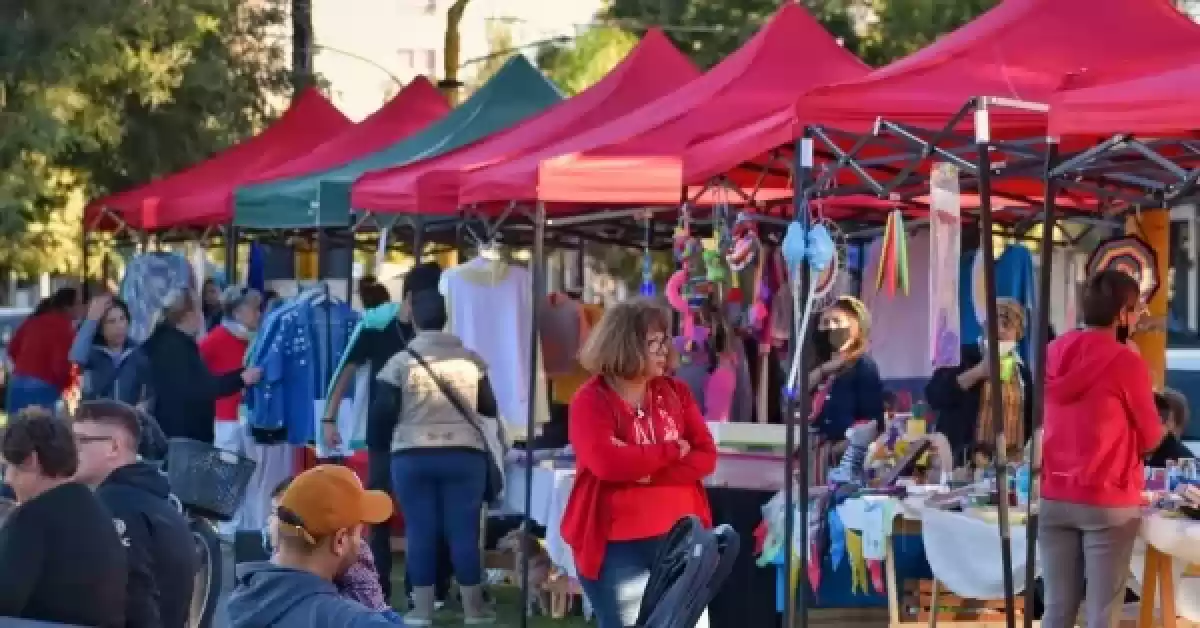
column 1100, row 421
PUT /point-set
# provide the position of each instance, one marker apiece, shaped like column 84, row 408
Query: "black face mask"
column 1122, row 333
column 822, row 345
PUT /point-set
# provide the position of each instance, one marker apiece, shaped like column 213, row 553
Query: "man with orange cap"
column 321, row 517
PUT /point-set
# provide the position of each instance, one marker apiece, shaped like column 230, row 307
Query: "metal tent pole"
column 1041, row 333
column 797, row 405
column 537, row 270
column 983, row 147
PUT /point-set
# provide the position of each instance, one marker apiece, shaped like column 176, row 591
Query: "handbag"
column 491, row 430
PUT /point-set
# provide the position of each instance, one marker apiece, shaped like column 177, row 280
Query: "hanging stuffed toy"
column 746, row 244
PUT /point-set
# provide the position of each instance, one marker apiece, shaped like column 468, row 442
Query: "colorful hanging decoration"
column 647, row 261
column 893, row 258
column 1129, row 254
column 746, row 245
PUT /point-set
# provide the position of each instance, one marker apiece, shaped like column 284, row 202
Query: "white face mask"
column 1006, row 347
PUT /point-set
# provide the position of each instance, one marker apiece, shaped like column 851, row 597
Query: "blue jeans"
column 441, row 495
column 616, row 596
column 25, row 391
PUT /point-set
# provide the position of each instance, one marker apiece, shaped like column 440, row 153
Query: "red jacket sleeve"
column 1139, row 401
column 62, row 372
column 701, row 460
column 591, row 429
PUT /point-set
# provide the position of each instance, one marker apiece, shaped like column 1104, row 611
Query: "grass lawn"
column 508, row 600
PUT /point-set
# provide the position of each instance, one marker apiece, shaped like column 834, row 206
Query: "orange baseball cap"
column 328, row 498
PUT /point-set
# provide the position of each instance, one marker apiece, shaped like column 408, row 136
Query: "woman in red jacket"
column 1100, row 421
column 38, row 351
column 642, row 448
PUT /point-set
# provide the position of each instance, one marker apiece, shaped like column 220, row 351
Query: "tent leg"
column 796, row 404
column 992, row 355
column 537, row 267
column 1040, row 336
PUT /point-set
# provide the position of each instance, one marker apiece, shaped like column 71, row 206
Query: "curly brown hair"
column 617, row 346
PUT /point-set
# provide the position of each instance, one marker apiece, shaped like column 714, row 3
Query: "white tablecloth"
column 551, row 487
column 1179, row 539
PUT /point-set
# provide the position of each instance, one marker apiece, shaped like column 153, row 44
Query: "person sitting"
column 957, row 395
column 359, row 583
column 1173, row 409
column 162, row 561
column 61, row 557
column 319, row 531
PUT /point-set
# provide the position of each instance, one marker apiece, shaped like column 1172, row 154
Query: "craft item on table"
column 893, row 258
column 858, row 438
column 945, row 243
column 1129, row 254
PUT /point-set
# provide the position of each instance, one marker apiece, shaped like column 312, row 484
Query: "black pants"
column 379, row 478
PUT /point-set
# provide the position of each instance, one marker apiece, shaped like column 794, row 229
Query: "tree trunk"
column 450, row 83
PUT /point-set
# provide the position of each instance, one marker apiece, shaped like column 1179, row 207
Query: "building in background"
column 366, row 49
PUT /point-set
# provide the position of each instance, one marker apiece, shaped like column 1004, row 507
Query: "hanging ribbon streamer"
column 893, row 256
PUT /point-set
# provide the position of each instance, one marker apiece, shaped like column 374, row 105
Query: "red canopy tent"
column 416, row 106
column 654, row 68
column 1161, row 105
column 309, row 121
column 635, row 159
column 1022, row 50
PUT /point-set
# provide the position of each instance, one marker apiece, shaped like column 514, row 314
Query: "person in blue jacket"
column 845, row 384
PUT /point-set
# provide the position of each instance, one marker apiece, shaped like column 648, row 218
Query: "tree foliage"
column 708, row 30
column 878, row 31
column 500, row 49
column 577, row 66
column 903, row 27
column 102, row 96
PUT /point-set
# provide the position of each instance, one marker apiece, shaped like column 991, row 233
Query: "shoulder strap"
column 450, row 393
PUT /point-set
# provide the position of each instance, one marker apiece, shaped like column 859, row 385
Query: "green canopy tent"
column 322, row 199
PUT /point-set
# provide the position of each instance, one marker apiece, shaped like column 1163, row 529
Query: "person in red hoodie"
column 642, row 450
column 224, row 350
column 1100, row 422
column 38, row 352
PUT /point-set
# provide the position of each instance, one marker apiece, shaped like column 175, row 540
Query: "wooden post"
column 1154, row 227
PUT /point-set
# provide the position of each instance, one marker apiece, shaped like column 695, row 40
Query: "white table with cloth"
column 1168, row 546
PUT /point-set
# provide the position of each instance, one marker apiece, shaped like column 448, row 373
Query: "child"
column 360, row 582
column 1173, row 408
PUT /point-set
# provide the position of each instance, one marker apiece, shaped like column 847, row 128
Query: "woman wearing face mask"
column 960, row 396
column 846, row 386
column 186, row 391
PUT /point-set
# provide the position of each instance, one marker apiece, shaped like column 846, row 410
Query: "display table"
column 1171, row 544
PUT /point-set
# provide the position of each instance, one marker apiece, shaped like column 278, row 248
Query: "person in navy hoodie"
column 845, row 384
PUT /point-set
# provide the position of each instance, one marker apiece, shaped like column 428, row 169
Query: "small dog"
column 542, row 573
